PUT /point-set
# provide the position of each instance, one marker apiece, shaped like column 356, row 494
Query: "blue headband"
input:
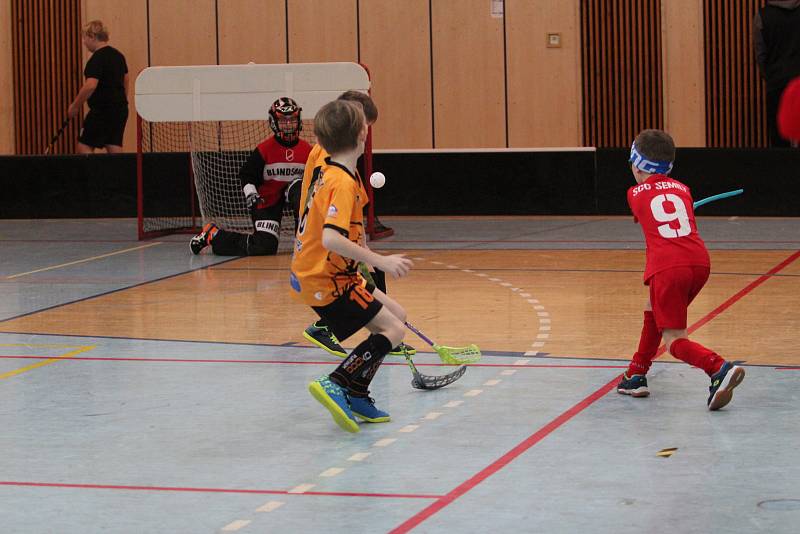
column 644, row 164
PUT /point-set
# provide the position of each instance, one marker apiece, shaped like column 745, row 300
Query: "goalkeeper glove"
column 252, row 200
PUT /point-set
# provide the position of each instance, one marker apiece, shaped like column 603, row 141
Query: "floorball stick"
column 712, row 198
column 56, row 136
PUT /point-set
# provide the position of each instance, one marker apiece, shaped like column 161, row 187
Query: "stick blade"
column 458, row 355
column 421, row 381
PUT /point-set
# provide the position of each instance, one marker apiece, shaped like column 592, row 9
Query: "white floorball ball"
column 377, row 180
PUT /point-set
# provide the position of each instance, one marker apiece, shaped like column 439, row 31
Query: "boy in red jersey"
column 677, row 268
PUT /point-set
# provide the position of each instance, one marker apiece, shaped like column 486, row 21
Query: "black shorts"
column 352, row 311
column 104, row 126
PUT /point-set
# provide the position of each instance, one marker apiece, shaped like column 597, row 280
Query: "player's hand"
column 396, row 264
column 252, row 200
column 72, row 111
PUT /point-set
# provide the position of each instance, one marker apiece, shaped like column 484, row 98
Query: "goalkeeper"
column 318, row 333
column 270, row 177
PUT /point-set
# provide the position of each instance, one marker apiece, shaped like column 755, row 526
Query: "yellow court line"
column 84, row 260
column 46, row 362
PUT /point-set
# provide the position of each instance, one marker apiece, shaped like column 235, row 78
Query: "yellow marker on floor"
column 48, row 361
column 666, row 453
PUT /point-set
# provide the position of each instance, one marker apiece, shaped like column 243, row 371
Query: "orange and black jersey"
column 336, row 199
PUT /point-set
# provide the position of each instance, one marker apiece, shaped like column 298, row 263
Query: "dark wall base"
column 431, row 183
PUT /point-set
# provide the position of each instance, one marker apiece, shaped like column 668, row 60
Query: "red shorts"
column 671, row 292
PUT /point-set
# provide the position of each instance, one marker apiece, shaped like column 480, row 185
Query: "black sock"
column 359, row 368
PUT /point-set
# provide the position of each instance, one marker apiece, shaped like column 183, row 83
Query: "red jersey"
column 663, row 207
column 272, row 167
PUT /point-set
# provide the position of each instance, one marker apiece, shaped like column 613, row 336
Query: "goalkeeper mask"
column 284, row 120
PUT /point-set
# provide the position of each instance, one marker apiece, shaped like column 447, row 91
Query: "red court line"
column 217, row 490
column 543, row 432
column 294, row 362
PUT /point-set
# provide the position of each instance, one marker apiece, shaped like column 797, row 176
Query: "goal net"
column 196, row 127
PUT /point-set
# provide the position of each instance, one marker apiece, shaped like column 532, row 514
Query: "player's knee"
column 671, row 335
column 262, row 244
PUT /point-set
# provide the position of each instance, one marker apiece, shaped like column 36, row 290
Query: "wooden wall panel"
column 684, row 72
column 126, row 21
column 544, row 84
column 622, row 74
column 252, row 30
column 322, row 30
column 735, row 95
column 401, row 82
column 468, row 75
column 47, row 72
column 6, row 80
column 183, row 32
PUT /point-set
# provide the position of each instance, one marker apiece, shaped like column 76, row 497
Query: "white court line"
column 433, row 415
column 384, row 442
column 544, row 328
column 542, row 336
column 332, row 472
column 538, row 307
column 543, row 314
column 532, row 352
column 508, row 372
column 473, row 393
column 538, row 344
column 359, row 456
column 454, row 404
column 522, row 362
column 236, row 525
column 409, row 428
column 544, row 320
column 506, row 284
column 494, row 279
column 302, row 488
column 84, row 260
column 269, row 506
column 492, row 382
column 525, row 295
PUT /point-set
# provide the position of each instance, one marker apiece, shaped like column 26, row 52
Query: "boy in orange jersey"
column 677, row 268
column 318, row 333
column 324, row 271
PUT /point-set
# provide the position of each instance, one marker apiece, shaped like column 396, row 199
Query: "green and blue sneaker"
column 635, row 386
column 364, row 408
column 333, row 397
column 722, row 383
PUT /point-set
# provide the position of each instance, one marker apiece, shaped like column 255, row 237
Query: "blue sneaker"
column 333, row 397
column 635, row 386
column 722, row 383
column 364, row 408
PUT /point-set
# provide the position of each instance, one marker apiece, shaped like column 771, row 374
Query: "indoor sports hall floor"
column 144, row 389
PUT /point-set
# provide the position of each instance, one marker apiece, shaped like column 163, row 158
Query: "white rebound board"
column 241, row 92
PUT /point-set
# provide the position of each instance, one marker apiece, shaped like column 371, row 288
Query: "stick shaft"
column 717, row 197
column 422, row 336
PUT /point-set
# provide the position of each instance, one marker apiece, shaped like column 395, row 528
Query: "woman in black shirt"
column 106, row 90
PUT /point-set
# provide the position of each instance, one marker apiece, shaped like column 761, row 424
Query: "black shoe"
column 401, row 349
column 635, row 386
column 722, row 383
column 201, row 240
column 322, row 337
